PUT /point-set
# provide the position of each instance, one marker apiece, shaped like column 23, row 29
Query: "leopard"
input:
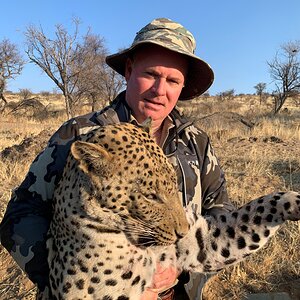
column 117, row 214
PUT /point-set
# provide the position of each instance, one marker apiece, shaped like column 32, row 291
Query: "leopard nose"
column 180, row 234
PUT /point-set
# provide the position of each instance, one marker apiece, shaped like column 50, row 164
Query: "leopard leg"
column 214, row 243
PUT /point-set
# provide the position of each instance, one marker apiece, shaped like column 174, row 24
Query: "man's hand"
column 162, row 280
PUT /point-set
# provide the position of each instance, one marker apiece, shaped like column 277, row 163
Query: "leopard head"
column 127, row 173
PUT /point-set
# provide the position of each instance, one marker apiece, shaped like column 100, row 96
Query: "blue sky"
column 236, row 37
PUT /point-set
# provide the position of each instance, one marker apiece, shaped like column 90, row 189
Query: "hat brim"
column 198, row 80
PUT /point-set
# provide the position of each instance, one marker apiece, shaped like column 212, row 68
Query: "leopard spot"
column 136, row 280
column 80, row 284
column 245, row 218
column 255, row 238
column 110, row 282
column 217, row 232
column 66, row 287
column 127, row 275
column 214, row 246
column 122, row 297
column 71, row 271
column 260, row 209
column 230, row 261
column 241, row 243
column 230, row 232
column 95, row 279
column 257, row 220
column 269, row 218
column 225, row 252
column 253, row 247
column 162, row 257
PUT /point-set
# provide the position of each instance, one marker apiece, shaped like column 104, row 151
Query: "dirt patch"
column 27, row 107
column 27, row 149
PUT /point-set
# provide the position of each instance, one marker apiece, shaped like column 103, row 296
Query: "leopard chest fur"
column 83, row 266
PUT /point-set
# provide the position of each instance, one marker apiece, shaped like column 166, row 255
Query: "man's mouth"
column 153, row 101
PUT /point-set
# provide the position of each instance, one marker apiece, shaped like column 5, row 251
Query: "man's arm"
column 25, row 224
column 214, row 200
column 214, row 196
column 214, row 192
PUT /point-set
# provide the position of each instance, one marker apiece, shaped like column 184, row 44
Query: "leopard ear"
column 91, row 157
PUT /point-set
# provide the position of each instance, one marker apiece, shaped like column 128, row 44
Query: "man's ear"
column 128, row 68
column 92, row 158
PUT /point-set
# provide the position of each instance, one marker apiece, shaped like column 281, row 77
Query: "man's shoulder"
column 85, row 120
column 82, row 124
column 187, row 125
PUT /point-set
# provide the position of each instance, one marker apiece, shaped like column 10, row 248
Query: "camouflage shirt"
column 26, row 221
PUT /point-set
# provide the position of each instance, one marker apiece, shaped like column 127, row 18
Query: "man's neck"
column 161, row 133
column 157, row 129
column 156, row 132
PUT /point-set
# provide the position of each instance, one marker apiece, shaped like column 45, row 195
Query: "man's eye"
column 150, row 74
column 172, row 81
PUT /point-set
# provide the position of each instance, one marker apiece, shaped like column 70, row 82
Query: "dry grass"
column 13, row 282
column 256, row 161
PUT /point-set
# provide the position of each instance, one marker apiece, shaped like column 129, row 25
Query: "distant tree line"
column 76, row 64
column 284, row 69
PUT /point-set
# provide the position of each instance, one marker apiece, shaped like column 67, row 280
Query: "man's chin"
column 153, row 115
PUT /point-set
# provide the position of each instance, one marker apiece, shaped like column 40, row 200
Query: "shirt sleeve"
column 214, row 199
column 213, row 184
column 27, row 218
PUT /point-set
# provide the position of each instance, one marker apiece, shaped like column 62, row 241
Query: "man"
column 160, row 68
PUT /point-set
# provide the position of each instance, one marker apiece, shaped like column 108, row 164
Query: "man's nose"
column 160, row 86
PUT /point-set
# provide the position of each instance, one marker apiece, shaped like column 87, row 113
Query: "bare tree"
column 285, row 71
column 59, row 58
column 226, row 95
column 54, row 57
column 75, row 65
column 97, row 82
column 113, row 83
column 11, row 64
column 25, row 93
column 260, row 90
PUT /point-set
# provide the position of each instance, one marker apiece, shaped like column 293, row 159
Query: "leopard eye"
column 151, row 197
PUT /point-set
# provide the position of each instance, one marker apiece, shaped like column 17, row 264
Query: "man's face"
column 155, row 78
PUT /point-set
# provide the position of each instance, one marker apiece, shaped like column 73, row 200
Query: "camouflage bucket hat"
column 172, row 36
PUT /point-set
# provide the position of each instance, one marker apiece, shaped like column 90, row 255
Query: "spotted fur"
column 117, row 213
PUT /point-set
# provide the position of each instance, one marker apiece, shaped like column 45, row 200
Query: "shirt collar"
column 167, row 125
